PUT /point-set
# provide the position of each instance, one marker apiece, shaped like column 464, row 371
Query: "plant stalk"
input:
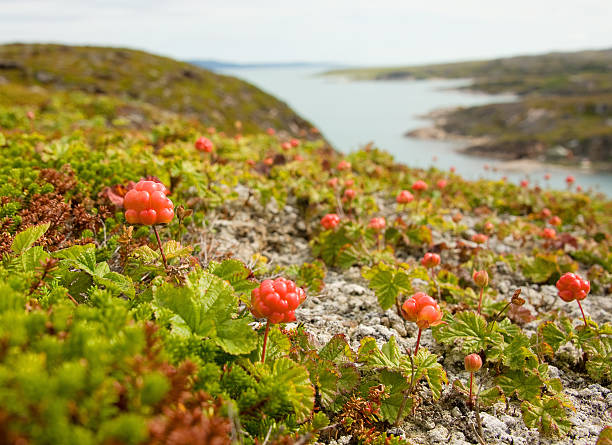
column 471, row 382
column 265, row 342
column 583, row 316
column 480, row 301
column 160, row 248
column 416, row 348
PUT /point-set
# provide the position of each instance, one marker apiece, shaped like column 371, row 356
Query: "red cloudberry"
column 276, row 301
column 404, row 197
column 349, row 194
column 423, row 310
column 480, row 238
column 204, row 144
column 377, row 223
column 344, row 165
column 572, row 286
column 554, row 221
column 148, row 204
column 472, row 362
column 481, row 278
column 294, row 142
column 570, row 179
column 548, row 233
column 419, row 186
column 430, row 260
column 330, row 221
column 442, row 183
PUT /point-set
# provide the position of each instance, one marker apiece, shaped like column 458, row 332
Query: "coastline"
column 491, row 148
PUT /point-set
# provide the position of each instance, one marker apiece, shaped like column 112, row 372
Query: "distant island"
column 220, row 65
column 563, row 113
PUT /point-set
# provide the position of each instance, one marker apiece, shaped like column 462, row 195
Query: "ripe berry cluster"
column 276, row 300
column 148, row 204
column 423, row 310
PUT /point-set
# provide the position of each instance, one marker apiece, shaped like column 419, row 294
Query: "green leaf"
column 387, row 283
column 337, row 350
column 526, row 385
column 547, row 414
column 174, row 249
column 236, row 336
column 395, row 385
column 552, row 335
column 182, row 302
column 471, row 330
column 31, row 259
column 491, row 396
column 518, row 352
column 116, row 282
column 26, row 239
column 605, row 437
column 427, row 365
column 327, row 384
column 301, row 391
column 236, row 273
column 599, row 364
column 370, row 354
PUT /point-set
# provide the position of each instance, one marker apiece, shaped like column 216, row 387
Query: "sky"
column 359, row 32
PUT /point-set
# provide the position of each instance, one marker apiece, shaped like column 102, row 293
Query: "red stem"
column 471, row 379
column 416, row 348
column 160, row 247
column 583, row 317
column 265, row 343
column 480, row 302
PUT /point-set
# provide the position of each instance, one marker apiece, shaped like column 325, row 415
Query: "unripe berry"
column 349, row 194
column 572, row 286
column 147, row 204
column 524, row 183
column 548, row 233
column 481, row 278
column 472, row 362
column 457, row 217
column 294, row 142
column 404, row 197
column 430, row 260
column 545, row 212
column 570, row 179
column 554, row 221
column 423, row 310
column 419, row 186
column 488, row 227
column 344, row 165
column 204, row 144
column 332, row 182
column 442, row 183
column 271, row 131
column 276, row 300
column 377, row 223
column 349, row 183
column 330, row 221
column 480, row 238
column 285, row 146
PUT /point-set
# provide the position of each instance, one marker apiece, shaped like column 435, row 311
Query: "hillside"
column 141, row 78
column 162, row 282
column 563, row 113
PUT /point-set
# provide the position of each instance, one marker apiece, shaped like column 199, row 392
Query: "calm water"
column 351, row 114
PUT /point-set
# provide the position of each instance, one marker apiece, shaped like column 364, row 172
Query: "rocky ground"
column 346, row 306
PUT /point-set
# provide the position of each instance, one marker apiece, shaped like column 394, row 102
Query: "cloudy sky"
column 366, row 32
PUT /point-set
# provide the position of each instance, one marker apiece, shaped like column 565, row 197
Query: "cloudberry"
column 148, row 204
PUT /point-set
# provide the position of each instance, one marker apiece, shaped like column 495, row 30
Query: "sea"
column 351, row 114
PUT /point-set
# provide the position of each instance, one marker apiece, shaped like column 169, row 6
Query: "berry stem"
column 471, row 380
column 265, row 342
column 160, row 248
column 433, row 278
column 416, row 348
column 480, row 301
column 583, row 316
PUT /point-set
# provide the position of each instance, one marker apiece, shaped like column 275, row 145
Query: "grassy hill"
column 565, row 99
column 138, row 80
